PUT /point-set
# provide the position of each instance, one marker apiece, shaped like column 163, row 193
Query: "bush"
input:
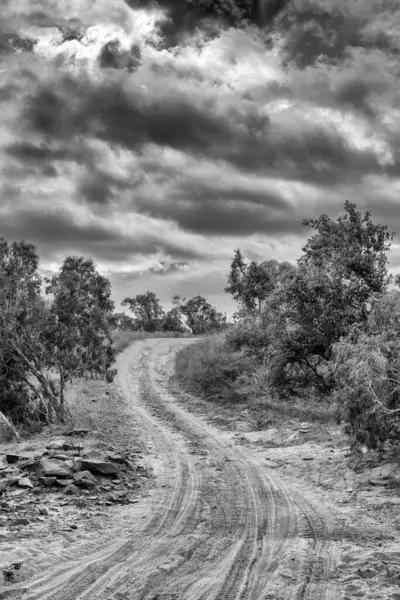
column 367, row 376
column 209, row 369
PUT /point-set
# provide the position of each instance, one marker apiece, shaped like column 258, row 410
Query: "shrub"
column 209, row 369
column 367, row 375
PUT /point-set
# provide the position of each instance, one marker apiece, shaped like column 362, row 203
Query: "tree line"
column 195, row 315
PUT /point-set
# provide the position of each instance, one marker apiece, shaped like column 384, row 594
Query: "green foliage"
column 201, row 316
column 147, row 310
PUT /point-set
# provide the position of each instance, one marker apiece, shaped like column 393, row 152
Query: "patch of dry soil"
column 221, row 521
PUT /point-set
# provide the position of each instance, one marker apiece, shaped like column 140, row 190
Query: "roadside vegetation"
column 320, row 338
column 59, row 329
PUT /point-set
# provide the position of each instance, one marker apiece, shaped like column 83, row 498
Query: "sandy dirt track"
column 219, row 525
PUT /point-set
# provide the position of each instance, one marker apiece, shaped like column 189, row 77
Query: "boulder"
column 20, row 521
column 59, row 456
column 85, row 479
column 48, row 481
column 25, row 482
column 49, row 467
column 78, row 432
column 13, row 458
column 71, row 490
column 64, row 482
column 56, row 445
column 95, row 465
column 74, row 447
column 97, row 454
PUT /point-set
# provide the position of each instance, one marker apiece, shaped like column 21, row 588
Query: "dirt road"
column 219, row 525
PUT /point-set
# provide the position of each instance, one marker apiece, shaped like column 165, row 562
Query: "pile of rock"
column 67, row 467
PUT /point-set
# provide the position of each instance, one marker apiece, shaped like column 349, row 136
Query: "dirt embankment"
column 230, row 515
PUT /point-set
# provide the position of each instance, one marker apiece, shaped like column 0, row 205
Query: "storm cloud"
column 156, row 137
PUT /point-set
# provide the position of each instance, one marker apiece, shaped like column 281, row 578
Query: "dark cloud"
column 113, row 56
column 328, row 31
column 57, row 233
column 49, row 171
column 209, row 212
column 12, row 42
column 28, row 152
column 311, row 152
column 8, row 91
column 97, row 188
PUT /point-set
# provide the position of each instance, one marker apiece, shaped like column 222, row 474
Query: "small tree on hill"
column 147, row 311
column 250, row 284
column 201, row 316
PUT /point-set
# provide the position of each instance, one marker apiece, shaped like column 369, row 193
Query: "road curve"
column 219, row 524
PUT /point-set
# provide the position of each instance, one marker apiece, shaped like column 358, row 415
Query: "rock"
column 48, row 481
column 115, row 457
column 76, row 464
column 380, row 482
column 28, row 464
column 60, row 456
column 78, row 432
column 64, row 482
column 43, row 511
column 13, row 458
column 49, row 467
column 71, row 490
column 25, row 482
column 20, row 521
column 85, row 479
column 75, row 447
column 13, row 479
column 100, row 466
column 96, row 454
column 56, row 445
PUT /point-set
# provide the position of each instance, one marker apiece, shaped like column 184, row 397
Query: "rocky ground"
column 62, row 485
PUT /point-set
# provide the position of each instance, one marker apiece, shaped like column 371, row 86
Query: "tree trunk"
column 8, row 432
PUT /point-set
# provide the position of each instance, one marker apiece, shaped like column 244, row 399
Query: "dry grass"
column 236, row 383
column 123, row 339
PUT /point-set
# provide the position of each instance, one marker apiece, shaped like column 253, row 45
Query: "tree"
column 172, row 320
column 147, row 311
column 250, row 284
column 26, row 385
column 19, row 287
column 343, row 265
column 81, row 311
column 201, row 316
column 123, row 322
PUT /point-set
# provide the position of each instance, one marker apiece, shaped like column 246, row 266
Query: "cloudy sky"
column 156, row 138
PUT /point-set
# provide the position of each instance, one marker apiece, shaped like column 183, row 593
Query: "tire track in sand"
column 220, row 526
